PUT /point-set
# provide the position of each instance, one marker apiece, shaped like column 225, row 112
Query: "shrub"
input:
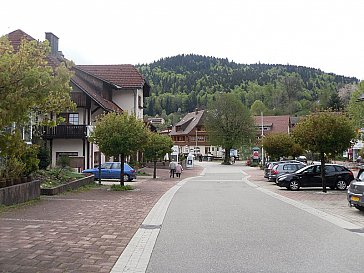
column 121, row 188
column 30, row 159
column 44, row 157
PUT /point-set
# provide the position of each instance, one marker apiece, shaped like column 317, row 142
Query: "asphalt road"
column 219, row 223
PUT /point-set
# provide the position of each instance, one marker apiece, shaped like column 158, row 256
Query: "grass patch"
column 4, row 208
column 143, row 173
column 121, row 188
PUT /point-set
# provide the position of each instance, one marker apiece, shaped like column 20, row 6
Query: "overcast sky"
column 324, row 34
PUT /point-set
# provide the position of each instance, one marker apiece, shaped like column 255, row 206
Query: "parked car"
column 302, row 158
column 111, row 170
column 268, row 168
column 270, row 165
column 337, row 177
column 355, row 194
column 284, row 168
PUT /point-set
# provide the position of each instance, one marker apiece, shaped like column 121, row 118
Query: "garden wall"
column 20, row 193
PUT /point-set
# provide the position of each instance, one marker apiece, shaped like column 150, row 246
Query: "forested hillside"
column 182, row 83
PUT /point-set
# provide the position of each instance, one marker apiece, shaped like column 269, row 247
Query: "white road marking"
column 323, row 215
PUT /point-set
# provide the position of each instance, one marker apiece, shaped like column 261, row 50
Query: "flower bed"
column 88, row 179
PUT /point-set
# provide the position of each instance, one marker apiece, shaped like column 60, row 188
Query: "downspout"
column 135, row 102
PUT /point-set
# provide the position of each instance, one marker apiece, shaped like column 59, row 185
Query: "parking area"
column 333, row 202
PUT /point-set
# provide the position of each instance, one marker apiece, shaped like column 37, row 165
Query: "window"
column 116, row 166
column 329, row 169
column 140, row 104
column 70, row 118
column 59, row 154
column 73, row 118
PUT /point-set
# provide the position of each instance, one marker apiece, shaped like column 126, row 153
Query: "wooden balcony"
column 65, row 131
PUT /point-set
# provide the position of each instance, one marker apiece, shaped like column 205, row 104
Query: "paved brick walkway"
column 333, row 202
column 78, row 231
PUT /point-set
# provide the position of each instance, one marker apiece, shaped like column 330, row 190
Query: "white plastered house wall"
column 130, row 100
column 74, row 146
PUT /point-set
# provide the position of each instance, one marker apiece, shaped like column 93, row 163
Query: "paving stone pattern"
column 78, row 231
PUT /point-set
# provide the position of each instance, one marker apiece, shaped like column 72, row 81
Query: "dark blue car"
column 111, row 170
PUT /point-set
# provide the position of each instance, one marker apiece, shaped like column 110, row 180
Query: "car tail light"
column 132, row 171
column 275, row 172
column 351, row 173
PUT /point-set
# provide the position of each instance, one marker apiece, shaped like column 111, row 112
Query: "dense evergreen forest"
column 182, row 83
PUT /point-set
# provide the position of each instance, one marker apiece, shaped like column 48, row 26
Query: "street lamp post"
column 261, row 113
column 196, row 142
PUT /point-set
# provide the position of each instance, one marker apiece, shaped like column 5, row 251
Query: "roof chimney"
column 53, row 42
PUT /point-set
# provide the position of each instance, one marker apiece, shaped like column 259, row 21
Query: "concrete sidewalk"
column 79, row 231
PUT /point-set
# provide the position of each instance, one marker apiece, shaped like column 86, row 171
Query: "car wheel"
column 294, row 185
column 359, row 207
column 341, row 185
column 127, row 178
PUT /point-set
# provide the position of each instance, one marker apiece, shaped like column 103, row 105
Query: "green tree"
column 229, row 123
column 258, row 107
column 325, row 133
column 19, row 158
column 119, row 135
column 156, row 148
column 356, row 107
column 292, row 86
column 29, row 84
column 335, row 103
column 278, row 145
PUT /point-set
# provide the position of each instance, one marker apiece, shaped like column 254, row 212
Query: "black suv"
column 337, row 177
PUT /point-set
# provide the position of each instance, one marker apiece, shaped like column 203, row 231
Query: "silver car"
column 355, row 193
column 284, row 168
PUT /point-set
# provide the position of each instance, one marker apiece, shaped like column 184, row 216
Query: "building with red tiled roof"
column 190, row 136
column 15, row 37
column 96, row 89
column 272, row 124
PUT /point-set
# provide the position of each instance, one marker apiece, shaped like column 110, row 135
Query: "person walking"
column 172, row 168
column 179, row 170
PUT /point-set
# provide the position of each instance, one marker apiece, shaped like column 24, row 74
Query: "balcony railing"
column 65, row 131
